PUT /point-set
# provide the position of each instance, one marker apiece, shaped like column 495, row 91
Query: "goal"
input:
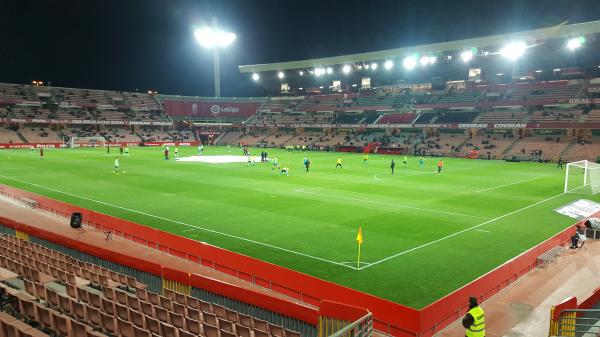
column 87, row 142
column 582, row 177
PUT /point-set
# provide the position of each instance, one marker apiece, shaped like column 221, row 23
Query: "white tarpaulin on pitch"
column 579, row 209
column 219, row 159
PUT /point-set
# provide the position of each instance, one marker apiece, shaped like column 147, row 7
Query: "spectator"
column 578, row 237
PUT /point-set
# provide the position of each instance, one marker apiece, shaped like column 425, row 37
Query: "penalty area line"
column 459, row 232
column 181, row 223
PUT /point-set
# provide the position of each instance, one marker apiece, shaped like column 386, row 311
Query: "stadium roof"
column 531, row 36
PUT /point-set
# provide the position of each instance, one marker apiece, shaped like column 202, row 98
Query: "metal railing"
column 362, row 327
column 579, row 323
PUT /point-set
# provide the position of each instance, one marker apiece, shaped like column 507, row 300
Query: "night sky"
column 149, row 44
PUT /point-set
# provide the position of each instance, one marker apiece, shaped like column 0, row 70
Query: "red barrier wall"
column 389, row 317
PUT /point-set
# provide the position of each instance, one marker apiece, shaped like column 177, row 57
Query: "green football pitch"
column 425, row 235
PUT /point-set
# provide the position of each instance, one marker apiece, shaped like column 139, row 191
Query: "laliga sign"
column 216, row 109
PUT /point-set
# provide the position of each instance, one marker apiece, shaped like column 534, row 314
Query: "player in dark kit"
column 166, row 154
column 393, row 165
column 41, row 153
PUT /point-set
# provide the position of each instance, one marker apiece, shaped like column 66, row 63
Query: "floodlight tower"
column 215, row 39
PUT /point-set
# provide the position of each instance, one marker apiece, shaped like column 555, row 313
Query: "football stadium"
column 409, row 191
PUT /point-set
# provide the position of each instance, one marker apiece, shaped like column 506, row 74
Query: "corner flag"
column 359, row 239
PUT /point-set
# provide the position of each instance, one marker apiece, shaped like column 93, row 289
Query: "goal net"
column 87, row 142
column 582, row 177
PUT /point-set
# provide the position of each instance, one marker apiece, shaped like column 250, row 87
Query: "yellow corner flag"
column 359, row 239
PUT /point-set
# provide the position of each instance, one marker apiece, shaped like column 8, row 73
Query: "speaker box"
column 76, row 220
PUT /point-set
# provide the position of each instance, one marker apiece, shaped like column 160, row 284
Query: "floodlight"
column 210, row 38
column 321, row 87
column 424, row 60
column 389, row 64
column 301, row 73
column 466, row 55
column 409, row 62
column 575, row 43
column 280, row 74
column 366, row 66
column 499, row 74
column 539, row 71
column 354, row 85
column 319, row 71
column 300, row 88
column 329, row 70
column 346, row 69
column 514, row 50
column 432, row 59
column 255, row 77
column 374, row 66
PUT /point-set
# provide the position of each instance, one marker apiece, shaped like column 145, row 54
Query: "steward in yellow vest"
column 474, row 320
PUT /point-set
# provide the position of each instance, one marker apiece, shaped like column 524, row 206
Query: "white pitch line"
column 515, row 183
column 181, row 223
column 484, row 231
column 458, row 233
column 393, row 205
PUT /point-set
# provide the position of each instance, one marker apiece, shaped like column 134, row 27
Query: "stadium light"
column 255, row 77
column 389, row 64
column 575, row 43
column 514, row 50
column 214, row 38
column 281, row 75
column 426, row 60
column 354, row 85
column 301, row 73
column 539, row 71
column 374, row 66
column 367, row 66
column 409, row 62
column 329, row 70
column 346, row 69
column 319, row 71
column 466, row 55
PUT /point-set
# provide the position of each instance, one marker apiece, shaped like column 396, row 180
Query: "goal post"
column 87, row 142
column 582, row 177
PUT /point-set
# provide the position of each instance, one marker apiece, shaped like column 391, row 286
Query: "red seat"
column 193, row 326
column 141, row 332
column 137, row 318
column 276, row 330
column 168, row 330
column 92, row 315
column 210, row 330
column 107, row 322
column 260, row 324
column 260, row 333
column 176, row 320
column 108, row 306
column 78, row 329
column 225, row 325
column 124, row 328
column 153, row 325
column 122, row 311
column 61, row 324
column 242, row 331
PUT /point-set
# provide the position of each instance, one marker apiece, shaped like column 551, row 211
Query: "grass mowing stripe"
column 179, row 222
column 515, row 183
column 459, row 232
column 393, row 205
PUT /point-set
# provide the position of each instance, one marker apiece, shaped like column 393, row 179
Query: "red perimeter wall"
column 390, row 317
